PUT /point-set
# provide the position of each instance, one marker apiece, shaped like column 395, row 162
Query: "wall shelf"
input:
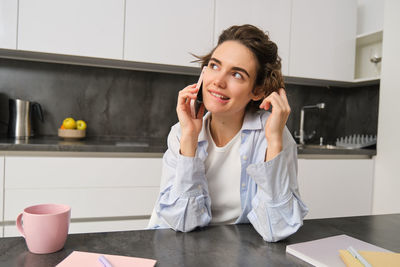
column 368, row 56
column 368, row 38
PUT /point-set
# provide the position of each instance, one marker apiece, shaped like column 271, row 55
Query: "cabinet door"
column 323, row 37
column 1, row 194
column 370, row 16
column 91, row 226
column 272, row 16
column 91, row 28
column 8, row 24
column 336, row 188
column 166, row 32
column 99, row 190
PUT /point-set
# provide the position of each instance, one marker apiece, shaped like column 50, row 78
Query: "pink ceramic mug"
column 44, row 227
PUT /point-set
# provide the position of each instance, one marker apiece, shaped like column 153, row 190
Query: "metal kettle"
column 21, row 114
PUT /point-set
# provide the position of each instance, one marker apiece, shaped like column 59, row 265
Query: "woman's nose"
column 219, row 80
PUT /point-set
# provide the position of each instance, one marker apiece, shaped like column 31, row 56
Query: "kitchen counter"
column 328, row 151
column 88, row 144
column 157, row 146
column 223, row 245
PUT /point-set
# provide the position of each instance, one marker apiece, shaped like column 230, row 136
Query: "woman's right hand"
column 190, row 127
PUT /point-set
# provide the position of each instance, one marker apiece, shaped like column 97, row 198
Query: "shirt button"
column 244, row 157
column 202, row 210
column 243, row 185
column 199, row 187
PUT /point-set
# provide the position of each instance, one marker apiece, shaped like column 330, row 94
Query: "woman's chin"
column 214, row 109
column 225, row 110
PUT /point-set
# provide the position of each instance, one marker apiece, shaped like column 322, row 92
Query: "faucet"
column 302, row 133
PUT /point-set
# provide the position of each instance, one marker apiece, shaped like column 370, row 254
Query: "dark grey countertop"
column 133, row 145
column 225, row 245
column 320, row 150
column 87, row 144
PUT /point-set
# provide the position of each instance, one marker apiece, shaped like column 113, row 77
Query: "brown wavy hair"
column 269, row 76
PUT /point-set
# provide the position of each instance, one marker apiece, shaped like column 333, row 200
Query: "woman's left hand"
column 276, row 121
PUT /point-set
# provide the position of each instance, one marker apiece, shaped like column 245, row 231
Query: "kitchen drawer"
column 85, row 202
column 336, row 188
column 74, row 172
column 91, row 227
column 1, row 193
column 1, row 187
column 95, row 188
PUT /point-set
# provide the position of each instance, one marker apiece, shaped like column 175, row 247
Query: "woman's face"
column 229, row 79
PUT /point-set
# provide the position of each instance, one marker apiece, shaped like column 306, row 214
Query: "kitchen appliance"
column 3, row 115
column 21, row 114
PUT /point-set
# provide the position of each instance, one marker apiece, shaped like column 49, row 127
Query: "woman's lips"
column 221, row 98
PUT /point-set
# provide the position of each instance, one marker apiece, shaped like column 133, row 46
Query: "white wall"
column 369, row 16
column 386, row 197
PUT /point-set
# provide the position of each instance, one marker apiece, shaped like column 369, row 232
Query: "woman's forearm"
column 273, row 149
column 188, row 146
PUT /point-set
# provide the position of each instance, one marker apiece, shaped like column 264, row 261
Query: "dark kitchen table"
column 231, row 245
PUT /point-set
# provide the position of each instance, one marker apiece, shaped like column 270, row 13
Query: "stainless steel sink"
column 318, row 147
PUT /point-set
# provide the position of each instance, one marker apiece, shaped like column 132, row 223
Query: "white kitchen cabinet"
column 369, row 16
column 336, row 187
column 91, row 28
column 272, row 16
column 1, row 194
column 323, row 38
column 368, row 56
column 105, row 194
column 166, row 32
column 8, row 24
column 91, row 227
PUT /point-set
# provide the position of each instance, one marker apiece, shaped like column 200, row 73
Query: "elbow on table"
column 186, row 223
column 281, row 235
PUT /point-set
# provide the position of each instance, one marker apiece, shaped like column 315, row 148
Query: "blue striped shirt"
column 269, row 192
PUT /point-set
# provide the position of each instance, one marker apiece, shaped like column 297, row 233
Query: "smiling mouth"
column 219, row 96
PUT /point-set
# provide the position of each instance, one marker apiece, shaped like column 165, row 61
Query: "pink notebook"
column 88, row 259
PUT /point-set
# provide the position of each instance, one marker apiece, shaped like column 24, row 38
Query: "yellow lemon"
column 69, row 123
column 81, row 125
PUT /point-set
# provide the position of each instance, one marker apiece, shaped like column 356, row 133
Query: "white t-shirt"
column 223, row 176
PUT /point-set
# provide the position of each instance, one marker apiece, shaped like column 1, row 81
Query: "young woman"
column 238, row 163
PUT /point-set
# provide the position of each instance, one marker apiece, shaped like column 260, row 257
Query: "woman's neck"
column 224, row 128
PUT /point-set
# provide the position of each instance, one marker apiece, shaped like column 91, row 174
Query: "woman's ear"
column 258, row 93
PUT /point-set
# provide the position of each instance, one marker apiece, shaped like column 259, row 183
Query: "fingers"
column 282, row 94
column 278, row 100
column 189, row 92
column 285, row 102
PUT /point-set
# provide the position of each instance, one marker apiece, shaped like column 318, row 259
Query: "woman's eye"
column 237, row 75
column 213, row 66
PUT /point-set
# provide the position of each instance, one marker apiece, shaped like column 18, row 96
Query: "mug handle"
column 19, row 225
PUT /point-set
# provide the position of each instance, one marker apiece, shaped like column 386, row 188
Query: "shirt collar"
column 252, row 121
column 203, row 132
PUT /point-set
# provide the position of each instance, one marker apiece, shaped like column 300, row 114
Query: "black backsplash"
column 347, row 111
column 127, row 103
